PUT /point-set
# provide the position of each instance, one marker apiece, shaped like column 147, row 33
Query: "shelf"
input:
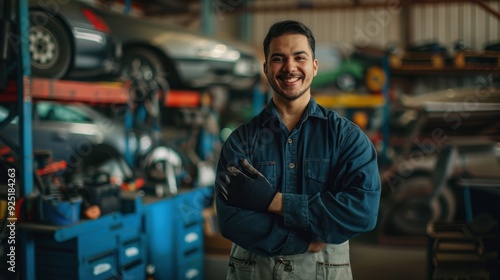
column 91, row 92
column 429, row 70
column 94, row 92
column 349, row 100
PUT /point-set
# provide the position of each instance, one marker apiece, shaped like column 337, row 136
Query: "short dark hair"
column 289, row 27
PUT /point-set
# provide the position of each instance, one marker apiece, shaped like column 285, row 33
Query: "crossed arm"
column 328, row 217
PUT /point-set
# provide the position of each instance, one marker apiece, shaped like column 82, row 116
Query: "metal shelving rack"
column 22, row 91
column 26, row 89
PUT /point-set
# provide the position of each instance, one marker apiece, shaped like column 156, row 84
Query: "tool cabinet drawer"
column 191, row 271
column 189, row 238
column 102, row 266
column 131, row 251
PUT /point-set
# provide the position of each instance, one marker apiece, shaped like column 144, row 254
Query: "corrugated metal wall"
column 448, row 23
column 337, row 26
column 444, row 23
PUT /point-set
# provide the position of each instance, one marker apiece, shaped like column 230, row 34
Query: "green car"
column 348, row 73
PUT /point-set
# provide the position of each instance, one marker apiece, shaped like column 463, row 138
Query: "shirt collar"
column 312, row 110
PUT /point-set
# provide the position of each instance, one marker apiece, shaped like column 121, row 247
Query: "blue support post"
column 24, row 99
column 386, row 111
column 246, row 21
column 128, row 6
column 26, row 147
column 258, row 99
column 129, row 157
column 207, row 18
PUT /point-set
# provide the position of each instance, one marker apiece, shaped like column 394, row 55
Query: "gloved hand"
column 251, row 192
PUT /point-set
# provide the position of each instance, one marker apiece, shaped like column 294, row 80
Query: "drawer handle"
column 101, row 268
column 132, row 251
column 192, row 273
column 191, row 237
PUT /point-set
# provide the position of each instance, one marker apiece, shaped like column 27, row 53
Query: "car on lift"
column 70, row 130
column 68, row 40
column 186, row 59
column 452, row 136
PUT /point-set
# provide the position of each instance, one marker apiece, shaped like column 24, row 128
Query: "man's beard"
column 287, row 97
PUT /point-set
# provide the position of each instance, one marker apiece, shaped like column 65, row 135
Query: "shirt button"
column 290, row 140
column 291, row 165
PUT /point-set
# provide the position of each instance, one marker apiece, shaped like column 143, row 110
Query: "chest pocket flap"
column 317, row 169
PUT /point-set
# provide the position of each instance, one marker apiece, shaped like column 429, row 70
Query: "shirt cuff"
column 295, row 211
column 295, row 244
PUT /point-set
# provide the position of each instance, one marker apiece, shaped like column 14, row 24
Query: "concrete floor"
column 370, row 260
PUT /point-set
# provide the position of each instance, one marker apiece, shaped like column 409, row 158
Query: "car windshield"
column 50, row 111
column 4, row 113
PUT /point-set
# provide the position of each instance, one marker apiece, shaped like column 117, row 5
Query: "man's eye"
column 301, row 58
column 277, row 59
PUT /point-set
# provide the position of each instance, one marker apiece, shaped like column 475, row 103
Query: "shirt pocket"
column 316, row 173
column 268, row 169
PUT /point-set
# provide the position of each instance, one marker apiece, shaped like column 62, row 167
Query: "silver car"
column 70, row 130
column 186, row 59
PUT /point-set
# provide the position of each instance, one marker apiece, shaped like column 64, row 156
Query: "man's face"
column 290, row 66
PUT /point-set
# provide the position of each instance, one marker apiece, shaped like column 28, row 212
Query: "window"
column 49, row 111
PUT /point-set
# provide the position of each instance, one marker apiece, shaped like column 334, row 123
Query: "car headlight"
column 218, row 51
column 245, row 67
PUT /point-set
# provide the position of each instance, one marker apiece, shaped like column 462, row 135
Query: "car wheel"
column 413, row 206
column 143, row 64
column 50, row 46
column 347, row 82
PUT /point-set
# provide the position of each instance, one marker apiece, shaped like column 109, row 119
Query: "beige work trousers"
column 331, row 263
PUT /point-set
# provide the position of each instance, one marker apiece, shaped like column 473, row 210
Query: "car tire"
column 412, row 206
column 142, row 63
column 50, row 46
column 347, row 82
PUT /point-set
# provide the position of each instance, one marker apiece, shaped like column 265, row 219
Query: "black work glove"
column 252, row 192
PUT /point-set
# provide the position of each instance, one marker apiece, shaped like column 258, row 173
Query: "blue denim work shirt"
column 326, row 168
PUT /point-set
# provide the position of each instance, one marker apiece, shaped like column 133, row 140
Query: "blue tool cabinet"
column 174, row 227
column 165, row 234
column 111, row 247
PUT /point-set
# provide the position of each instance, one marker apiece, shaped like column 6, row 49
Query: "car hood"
column 175, row 41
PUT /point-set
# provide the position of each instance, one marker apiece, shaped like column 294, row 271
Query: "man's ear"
column 264, row 67
column 315, row 66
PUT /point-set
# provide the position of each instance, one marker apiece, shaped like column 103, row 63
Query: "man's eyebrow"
column 300, row 52
column 295, row 53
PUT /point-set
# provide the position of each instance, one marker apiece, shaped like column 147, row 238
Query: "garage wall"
column 445, row 23
column 374, row 27
column 450, row 22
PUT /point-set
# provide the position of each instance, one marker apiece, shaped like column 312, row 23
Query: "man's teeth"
column 290, row 80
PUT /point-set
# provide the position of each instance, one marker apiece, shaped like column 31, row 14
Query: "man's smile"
column 289, row 80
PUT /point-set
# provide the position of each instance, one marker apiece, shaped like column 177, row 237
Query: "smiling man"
column 298, row 181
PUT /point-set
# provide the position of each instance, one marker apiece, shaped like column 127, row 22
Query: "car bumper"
column 96, row 54
column 198, row 73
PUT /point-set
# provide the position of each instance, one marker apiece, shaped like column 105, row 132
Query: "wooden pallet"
column 475, row 59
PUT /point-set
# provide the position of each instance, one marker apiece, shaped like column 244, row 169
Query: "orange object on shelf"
column 182, row 98
column 63, row 90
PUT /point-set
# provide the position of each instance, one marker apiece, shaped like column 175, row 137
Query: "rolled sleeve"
column 296, row 211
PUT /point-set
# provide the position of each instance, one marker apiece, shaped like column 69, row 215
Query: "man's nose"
column 289, row 65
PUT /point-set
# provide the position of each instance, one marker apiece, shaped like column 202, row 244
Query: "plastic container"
column 60, row 212
column 106, row 196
